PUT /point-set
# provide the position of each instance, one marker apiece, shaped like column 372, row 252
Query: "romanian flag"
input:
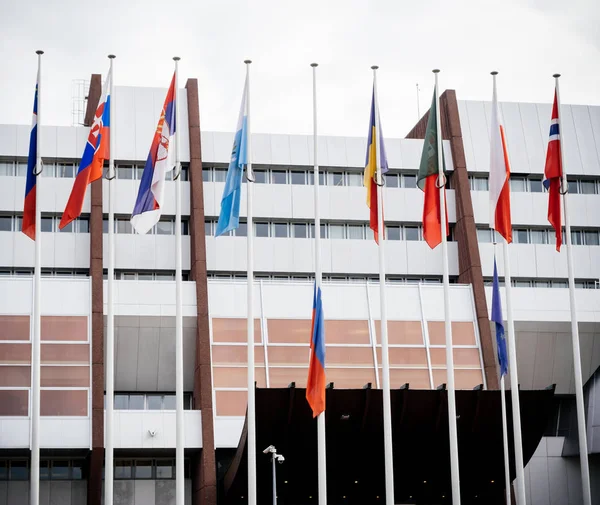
column 553, row 174
column 427, row 180
column 375, row 142
column 315, row 386
column 95, row 152
column 30, row 193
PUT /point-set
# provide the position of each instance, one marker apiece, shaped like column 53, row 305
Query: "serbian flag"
column 553, row 174
column 95, row 152
column 375, row 142
column 427, row 178
column 161, row 159
column 29, row 203
column 499, row 175
column 499, row 322
column 315, row 386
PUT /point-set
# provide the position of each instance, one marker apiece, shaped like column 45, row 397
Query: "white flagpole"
column 179, row 436
column 37, row 306
column 385, row 358
column 505, row 442
column 583, row 448
column 250, row 307
column 110, row 314
column 322, row 459
column 454, row 471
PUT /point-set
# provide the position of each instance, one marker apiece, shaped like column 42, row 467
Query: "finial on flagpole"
column 436, row 70
column 111, row 56
column 374, row 67
column 39, row 51
column 494, row 72
column 176, row 58
column 247, row 62
column 314, row 64
column 556, row 76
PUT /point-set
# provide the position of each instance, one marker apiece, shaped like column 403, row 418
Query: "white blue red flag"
column 315, row 386
column 30, row 191
column 161, row 159
column 553, row 174
column 499, row 322
column 95, row 152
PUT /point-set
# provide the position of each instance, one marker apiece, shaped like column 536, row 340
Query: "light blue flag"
column 229, row 218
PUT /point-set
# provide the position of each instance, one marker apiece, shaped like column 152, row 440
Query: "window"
column 323, row 230
column 169, row 402
column 335, row 178
column 261, row 176
column 185, row 227
column 576, row 237
column 208, row 229
column 123, row 225
column 542, row 284
column 143, row 469
column 355, row 179
column 66, row 170
column 19, row 470
column 484, row 236
column 409, row 181
column 121, row 402
column 163, row 276
column 411, row 233
column 356, row 231
column 337, row 231
column 393, row 232
column 6, row 168
column 47, row 224
column 5, row 223
column 322, row 178
column 165, row 227
column 153, row 402
column 48, row 170
column 517, row 184
column 60, row 470
column 520, row 236
column 77, row 470
column 139, row 172
column 136, row 402
column 298, row 178
column 591, row 238
column 84, row 225
column 539, row 236
column 4, row 470
column 220, row 175
column 164, row 469
column 262, row 229
column 67, row 229
column 278, row 177
column 391, row 180
column 573, row 187
column 129, row 276
column 242, row 230
column 588, row 187
column 122, row 469
column 518, row 283
column 145, row 276
column 300, row 230
column 125, row 172
column 280, row 230
column 206, row 175
column 535, row 185
column 479, row 184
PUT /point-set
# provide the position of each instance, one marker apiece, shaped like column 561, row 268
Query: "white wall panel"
column 65, row 433
column 585, row 139
column 261, row 149
column 223, row 143
column 535, row 144
column 569, row 143
column 48, row 141
column 356, row 151
column 207, row 147
column 227, row 431
column 125, row 123
column 146, row 113
column 336, row 150
column 66, row 142
column 515, row 138
column 8, row 140
column 280, row 150
column 595, row 125
column 465, row 127
column 14, row 432
column 299, row 153
column 23, row 134
column 479, row 136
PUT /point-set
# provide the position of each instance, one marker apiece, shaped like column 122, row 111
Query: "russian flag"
column 161, row 159
column 553, row 174
column 500, row 219
column 499, row 322
column 95, row 152
column 29, row 203
column 315, row 386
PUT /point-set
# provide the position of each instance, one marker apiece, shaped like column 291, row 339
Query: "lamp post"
column 274, row 458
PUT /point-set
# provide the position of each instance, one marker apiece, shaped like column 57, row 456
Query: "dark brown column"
column 465, row 232
column 97, row 456
column 204, row 472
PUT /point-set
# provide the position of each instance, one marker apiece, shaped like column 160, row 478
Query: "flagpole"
column 454, row 471
column 179, row 444
column 322, row 457
column 583, row 448
column 385, row 358
column 110, row 314
column 505, row 442
column 250, row 305
column 37, row 309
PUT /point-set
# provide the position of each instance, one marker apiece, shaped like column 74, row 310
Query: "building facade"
column 214, row 293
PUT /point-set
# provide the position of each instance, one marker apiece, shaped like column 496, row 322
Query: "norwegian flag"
column 553, row 174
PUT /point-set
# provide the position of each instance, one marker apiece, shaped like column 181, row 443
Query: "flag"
column 95, row 152
column 427, row 181
column 229, row 217
column 499, row 175
column 315, row 386
column 499, row 322
column 553, row 174
column 375, row 142
column 161, row 159
column 30, row 192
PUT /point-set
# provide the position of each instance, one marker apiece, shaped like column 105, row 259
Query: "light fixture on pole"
column 274, row 458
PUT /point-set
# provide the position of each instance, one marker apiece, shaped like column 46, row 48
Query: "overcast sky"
column 526, row 40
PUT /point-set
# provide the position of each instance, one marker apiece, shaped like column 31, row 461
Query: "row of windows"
column 55, row 469
column 49, row 224
column 147, row 275
column 166, row 226
column 153, row 401
column 327, row 278
column 533, row 184
column 45, row 272
column 546, row 283
column 540, row 236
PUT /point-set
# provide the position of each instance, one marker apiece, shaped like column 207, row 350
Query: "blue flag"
column 229, row 218
column 497, row 318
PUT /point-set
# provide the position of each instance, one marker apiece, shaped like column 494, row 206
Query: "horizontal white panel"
column 227, row 431
column 126, row 193
column 147, row 252
column 14, row 432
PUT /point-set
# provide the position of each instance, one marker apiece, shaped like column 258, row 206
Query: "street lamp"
column 280, row 459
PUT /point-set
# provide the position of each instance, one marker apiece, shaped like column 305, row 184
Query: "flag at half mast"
column 315, row 386
column 499, row 323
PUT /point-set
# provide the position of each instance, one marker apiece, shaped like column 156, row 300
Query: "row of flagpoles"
column 163, row 158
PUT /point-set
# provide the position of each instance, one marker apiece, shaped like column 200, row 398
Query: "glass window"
column 535, row 185
column 298, row 178
column 335, row 178
column 370, row 234
column 520, row 237
column 122, row 469
column 164, row 227
column 169, row 402
column 47, row 224
column 542, row 284
column 280, row 230
column 588, row 187
column 139, row 172
column 300, row 230
column 4, row 470
column 411, row 233
column 591, row 238
column 48, row 169
column 355, row 179
column 84, row 225
column 121, row 402
column 19, row 470
column 125, row 172
column 44, row 470
column 573, row 187
column 260, row 176
column 517, row 184
column 208, row 228
column 164, row 469
column 162, row 276
column 129, row 276
column 323, row 230
column 322, row 178
column 6, row 168
column 391, row 180
column 576, row 237
column 65, row 170
column 522, row 283
column 5, row 223
column 185, row 227
column 278, row 177
column 392, row 232
column 356, row 231
column 409, row 181
column 60, row 470
column 136, row 402
column 67, row 229
column 104, row 225
column 480, row 183
column 484, row 236
column 539, row 236
column 242, row 230
column 123, row 226
column 262, row 229
column 154, row 402
column 560, row 284
column 206, row 175
column 144, row 276
column 219, row 175
column 337, row 231
column 21, row 169
column 77, row 469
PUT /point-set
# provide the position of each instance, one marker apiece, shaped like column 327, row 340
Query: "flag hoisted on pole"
column 432, row 181
column 500, row 220
column 376, row 165
column 556, row 182
column 31, row 227
column 315, row 386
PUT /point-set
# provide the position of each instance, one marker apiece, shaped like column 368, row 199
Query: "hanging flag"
column 161, row 159
column 499, row 322
column 95, row 152
column 374, row 142
column 229, row 218
column 315, row 386
column 29, row 203
column 553, row 174
column 500, row 219
column 427, row 181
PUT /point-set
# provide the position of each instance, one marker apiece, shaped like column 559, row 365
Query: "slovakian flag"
column 30, row 193
column 315, row 386
column 161, row 159
column 374, row 143
column 427, row 181
column 95, row 152
column 553, row 174
column 499, row 322
column 500, row 219
column 229, row 217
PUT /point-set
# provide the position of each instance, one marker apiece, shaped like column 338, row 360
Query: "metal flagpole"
column 110, row 314
column 454, row 471
column 250, row 307
column 583, row 448
column 385, row 359
column 505, row 442
column 180, row 444
column 322, row 458
column 37, row 308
